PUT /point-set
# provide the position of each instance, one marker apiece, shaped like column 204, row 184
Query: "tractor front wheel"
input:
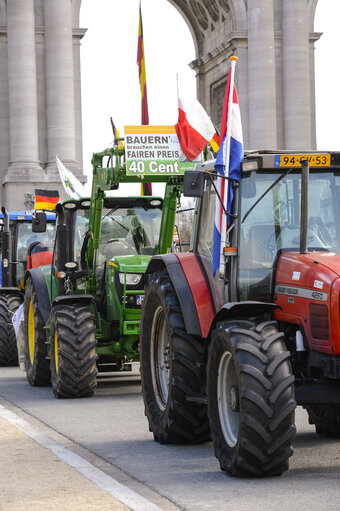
column 170, row 362
column 73, row 351
column 326, row 419
column 36, row 362
column 250, row 399
column 8, row 344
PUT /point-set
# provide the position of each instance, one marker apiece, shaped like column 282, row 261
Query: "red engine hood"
column 303, row 279
column 314, row 270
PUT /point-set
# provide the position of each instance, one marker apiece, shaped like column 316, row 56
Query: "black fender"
column 244, row 310
column 238, row 310
column 11, row 291
column 78, row 299
column 69, row 299
column 41, row 291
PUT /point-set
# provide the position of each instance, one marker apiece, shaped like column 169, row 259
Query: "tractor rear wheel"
column 250, row 398
column 326, row 419
column 170, row 361
column 8, row 343
column 73, row 351
column 36, row 362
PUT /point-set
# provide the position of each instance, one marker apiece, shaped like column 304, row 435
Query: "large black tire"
column 170, row 361
column 250, row 399
column 73, row 351
column 8, row 343
column 326, row 419
column 36, row 353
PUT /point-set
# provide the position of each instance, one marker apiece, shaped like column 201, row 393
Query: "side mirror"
column 39, row 221
column 193, row 183
column 248, row 187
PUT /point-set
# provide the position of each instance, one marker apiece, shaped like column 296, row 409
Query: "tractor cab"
column 266, row 219
column 22, row 240
column 130, row 228
column 270, row 215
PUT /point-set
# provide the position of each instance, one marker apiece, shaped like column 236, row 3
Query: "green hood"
column 132, row 263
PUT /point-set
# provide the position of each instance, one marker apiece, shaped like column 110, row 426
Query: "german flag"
column 142, row 73
column 146, row 189
column 46, row 199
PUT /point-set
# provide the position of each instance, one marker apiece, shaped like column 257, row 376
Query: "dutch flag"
column 228, row 163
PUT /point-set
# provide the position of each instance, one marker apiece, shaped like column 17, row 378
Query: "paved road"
column 111, row 429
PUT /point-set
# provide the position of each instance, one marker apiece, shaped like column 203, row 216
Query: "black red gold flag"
column 46, row 199
column 142, row 73
column 146, row 188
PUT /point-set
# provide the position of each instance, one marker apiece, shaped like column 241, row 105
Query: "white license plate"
column 139, row 299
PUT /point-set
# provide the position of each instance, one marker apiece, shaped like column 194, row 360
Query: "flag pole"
column 233, row 61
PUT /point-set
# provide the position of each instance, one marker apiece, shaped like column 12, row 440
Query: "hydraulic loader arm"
column 109, row 178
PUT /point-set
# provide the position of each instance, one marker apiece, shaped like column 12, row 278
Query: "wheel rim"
column 31, row 333
column 228, row 399
column 160, row 358
column 56, row 357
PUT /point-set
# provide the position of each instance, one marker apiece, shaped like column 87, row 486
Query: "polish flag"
column 194, row 128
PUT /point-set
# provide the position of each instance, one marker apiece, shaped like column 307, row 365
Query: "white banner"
column 71, row 184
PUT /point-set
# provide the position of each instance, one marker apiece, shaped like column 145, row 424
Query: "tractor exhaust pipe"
column 304, row 207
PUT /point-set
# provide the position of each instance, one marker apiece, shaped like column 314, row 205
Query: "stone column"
column 60, row 84
column 296, row 75
column 261, row 75
column 22, row 89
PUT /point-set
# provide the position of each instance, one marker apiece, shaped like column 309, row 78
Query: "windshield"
column 274, row 223
column 129, row 231
column 125, row 231
column 25, row 237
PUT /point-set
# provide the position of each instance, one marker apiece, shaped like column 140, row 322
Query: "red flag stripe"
column 44, row 198
column 191, row 142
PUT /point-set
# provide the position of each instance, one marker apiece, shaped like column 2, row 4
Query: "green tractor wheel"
column 36, row 362
column 8, row 344
column 73, row 351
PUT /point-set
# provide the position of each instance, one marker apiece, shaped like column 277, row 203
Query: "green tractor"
column 82, row 312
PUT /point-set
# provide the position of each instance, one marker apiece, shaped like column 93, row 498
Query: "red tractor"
column 229, row 356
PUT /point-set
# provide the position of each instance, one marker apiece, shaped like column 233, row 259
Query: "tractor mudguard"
column 10, row 291
column 190, row 280
column 41, row 290
column 69, row 299
column 246, row 310
column 199, row 294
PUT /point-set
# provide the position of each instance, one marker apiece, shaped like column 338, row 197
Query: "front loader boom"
column 109, row 177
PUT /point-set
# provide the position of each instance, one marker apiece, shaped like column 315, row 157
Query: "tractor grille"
column 319, row 321
column 132, row 301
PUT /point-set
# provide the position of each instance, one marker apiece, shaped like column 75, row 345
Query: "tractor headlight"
column 132, row 279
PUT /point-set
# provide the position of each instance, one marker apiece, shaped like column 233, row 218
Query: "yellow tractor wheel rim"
column 31, row 333
column 56, row 359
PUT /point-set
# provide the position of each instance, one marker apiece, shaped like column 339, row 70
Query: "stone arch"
column 2, row 12
column 223, row 27
column 206, row 17
column 312, row 8
column 76, row 4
